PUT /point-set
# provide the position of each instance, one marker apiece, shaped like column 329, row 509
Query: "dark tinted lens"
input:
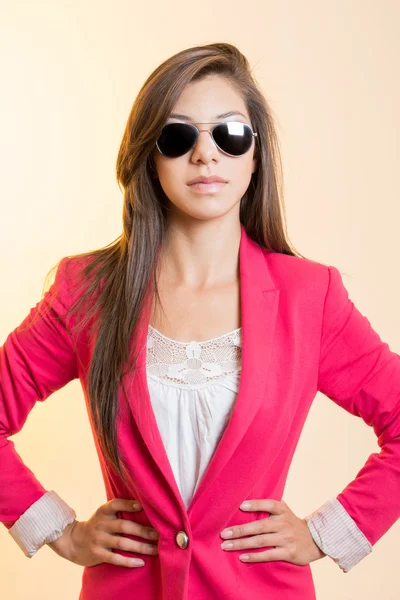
column 233, row 137
column 176, row 139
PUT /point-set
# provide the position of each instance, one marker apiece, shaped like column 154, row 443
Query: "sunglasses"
column 232, row 138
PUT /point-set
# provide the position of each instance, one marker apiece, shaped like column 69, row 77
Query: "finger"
column 252, row 528
column 274, row 507
column 120, row 560
column 117, row 505
column 256, row 541
column 267, row 556
column 124, row 543
column 132, row 528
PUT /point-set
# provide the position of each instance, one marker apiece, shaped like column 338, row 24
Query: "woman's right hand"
column 89, row 543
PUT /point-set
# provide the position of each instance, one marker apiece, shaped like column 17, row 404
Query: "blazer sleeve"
column 37, row 359
column 337, row 535
column 43, row 522
column 359, row 372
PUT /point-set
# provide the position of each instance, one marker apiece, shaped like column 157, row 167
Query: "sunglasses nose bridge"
column 209, row 131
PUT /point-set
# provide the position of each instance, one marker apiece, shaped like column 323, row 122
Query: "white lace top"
column 193, row 388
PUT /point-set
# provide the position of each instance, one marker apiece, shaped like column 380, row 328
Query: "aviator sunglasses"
column 232, row 138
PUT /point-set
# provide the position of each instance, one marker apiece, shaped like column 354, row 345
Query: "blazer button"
column 182, row 539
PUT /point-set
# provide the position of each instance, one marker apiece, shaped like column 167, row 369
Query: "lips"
column 207, row 188
column 212, row 179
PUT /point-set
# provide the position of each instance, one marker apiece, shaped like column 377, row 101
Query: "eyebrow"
column 223, row 116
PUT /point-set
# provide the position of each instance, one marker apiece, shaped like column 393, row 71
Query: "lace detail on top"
column 193, row 364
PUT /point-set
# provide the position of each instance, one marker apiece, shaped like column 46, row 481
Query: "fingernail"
column 136, row 505
column 154, row 534
column 245, row 505
column 227, row 533
column 137, row 561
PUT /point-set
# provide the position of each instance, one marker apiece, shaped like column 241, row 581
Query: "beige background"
column 69, row 73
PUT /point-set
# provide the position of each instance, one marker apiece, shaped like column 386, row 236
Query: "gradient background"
column 70, row 72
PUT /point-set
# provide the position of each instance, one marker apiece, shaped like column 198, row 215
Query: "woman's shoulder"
column 71, row 280
column 290, row 270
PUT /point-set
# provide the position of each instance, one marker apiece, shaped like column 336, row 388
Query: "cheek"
column 173, row 184
column 241, row 166
column 171, row 172
column 240, row 173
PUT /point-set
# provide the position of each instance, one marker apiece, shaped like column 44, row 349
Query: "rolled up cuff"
column 336, row 534
column 43, row 522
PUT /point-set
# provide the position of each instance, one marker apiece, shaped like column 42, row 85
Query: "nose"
column 205, row 148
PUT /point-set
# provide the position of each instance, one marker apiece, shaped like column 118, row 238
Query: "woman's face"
column 201, row 102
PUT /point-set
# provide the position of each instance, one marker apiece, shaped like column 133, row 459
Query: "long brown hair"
column 118, row 274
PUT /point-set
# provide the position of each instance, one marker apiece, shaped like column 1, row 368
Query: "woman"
column 200, row 293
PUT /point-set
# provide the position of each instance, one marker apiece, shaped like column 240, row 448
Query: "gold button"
column 182, row 539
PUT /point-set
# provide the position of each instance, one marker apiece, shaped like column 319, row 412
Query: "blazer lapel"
column 259, row 305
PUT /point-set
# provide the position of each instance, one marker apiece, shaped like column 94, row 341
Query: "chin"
column 209, row 212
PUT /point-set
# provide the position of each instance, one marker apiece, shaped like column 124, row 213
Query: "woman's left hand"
column 285, row 531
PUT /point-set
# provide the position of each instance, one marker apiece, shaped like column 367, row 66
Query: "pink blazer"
column 300, row 334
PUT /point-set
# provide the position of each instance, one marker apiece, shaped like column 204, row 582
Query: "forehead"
column 209, row 99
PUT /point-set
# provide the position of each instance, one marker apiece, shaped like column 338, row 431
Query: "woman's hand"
column 89, row 543
column 285, row 531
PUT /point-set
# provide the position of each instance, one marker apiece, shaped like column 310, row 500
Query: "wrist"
column 317, row 553
column 63, row 545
